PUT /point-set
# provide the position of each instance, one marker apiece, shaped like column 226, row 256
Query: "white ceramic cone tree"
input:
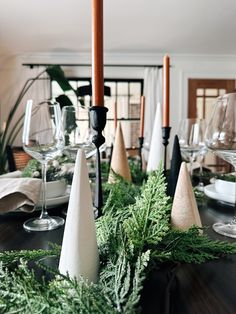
column 156, row 153
column 184, row 212
column 119, row 161
column 79, row 253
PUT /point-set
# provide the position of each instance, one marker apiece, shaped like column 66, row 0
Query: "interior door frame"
column 194, row 84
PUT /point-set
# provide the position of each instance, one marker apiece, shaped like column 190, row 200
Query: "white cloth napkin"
column 13, row 174
column 22, row 193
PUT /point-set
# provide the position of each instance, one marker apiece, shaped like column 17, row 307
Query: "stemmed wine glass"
column 72, row 135
column 191, row 139
column 42, row 139
column 221, row 139
column 202, row 154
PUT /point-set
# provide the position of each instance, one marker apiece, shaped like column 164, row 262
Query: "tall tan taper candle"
column 166, row 91
column 115, row 115
column 97, row 53
column 142, row 110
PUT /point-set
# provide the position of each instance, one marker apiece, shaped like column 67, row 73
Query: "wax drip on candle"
column 115, row 115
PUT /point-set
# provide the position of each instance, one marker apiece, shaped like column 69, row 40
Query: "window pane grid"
column 125, row 93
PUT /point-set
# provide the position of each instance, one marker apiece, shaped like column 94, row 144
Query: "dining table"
column 195, row 288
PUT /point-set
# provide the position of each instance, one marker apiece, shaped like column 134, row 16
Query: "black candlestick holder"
column 98, row 116
column 141, row 138
column 165, row 142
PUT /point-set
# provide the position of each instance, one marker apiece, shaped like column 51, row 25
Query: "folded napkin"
column 13, row 174
column 20, row 193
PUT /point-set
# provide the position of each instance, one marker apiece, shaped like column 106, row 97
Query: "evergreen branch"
column 120, row 195
column 149, row 221
column 9, row 258
column 191, row 247
column 133, row 236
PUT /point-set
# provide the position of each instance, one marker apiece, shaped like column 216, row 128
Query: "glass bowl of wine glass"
column 42, row 139
column 191, row 139
column 72, row 135
column 220, row 138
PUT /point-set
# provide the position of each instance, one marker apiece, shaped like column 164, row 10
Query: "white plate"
column 52, row 202
column 211, row 192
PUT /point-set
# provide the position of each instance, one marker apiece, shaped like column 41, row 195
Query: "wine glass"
column 191, row 139
column 72, row 135
column 42, row 139
column 221, row 139
column 202, row 155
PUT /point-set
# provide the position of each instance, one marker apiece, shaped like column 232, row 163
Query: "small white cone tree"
column 79, row 253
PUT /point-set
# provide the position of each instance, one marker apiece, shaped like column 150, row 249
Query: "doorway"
column 202, row 94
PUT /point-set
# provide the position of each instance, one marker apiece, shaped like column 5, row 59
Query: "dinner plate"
column 52, row 202
column 211, row 192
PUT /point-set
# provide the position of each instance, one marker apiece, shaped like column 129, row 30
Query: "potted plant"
column 10, row 131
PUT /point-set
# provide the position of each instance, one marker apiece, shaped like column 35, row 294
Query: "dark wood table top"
column 206, row 288
column 14, row 237
column 209, row 287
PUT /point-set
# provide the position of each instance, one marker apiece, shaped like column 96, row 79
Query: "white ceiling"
column 130, row 26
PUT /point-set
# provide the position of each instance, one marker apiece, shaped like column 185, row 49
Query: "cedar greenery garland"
column 134, row 236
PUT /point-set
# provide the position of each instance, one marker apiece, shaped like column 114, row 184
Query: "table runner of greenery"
column 134, row 238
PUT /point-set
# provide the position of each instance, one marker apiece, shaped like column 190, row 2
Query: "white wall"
column 183, row 67
column 13, row 76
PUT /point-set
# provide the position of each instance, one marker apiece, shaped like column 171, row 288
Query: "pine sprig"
column 123, row 282
column 21, row 292
column 191, row 247
column 74, row 296
column 149, row 221
column 9, row 258
column 121, row 194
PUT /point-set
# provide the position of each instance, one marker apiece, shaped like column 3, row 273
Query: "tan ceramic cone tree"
column 119, row 161
column 184, row 212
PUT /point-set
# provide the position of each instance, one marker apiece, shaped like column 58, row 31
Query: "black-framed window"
column 126, row 93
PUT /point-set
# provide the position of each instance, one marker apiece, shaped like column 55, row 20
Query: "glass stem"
column 233, row 221
column 201, row 164
column 201, row 170
column 44, row 213
column 191, row 159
